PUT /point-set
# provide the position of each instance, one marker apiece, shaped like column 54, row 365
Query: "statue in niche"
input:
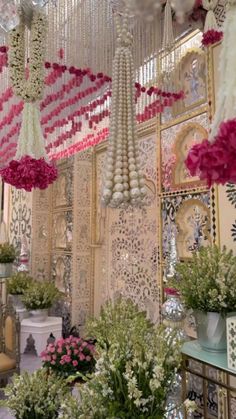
column 60, row 274
column 172, row 258
column 60, row 232
column 101, row 226
column 194, row 81
column 60, row 189
column 198, row 222
column 193, row 221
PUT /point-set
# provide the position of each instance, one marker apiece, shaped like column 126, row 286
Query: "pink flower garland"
column 28, row 173
column 215, row 162
column 211, row 37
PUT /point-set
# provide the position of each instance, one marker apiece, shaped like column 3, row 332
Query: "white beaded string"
column 124, row 182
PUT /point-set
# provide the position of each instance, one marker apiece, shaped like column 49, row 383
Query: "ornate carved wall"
column 125, row 247
column 20, row 217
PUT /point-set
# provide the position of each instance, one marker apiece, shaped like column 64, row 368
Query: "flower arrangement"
column 212, row 33
column 67, row 357
column 17, row 173
column 211, row 37
column 30, row 89
column 39, row 395
column 30, row 169
column 7, row 253
column 135, row 369
column 207, row 281
column 40, row 295
column 18, row 283
column 215, row 162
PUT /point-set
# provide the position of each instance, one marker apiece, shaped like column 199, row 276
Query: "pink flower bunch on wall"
column 215, row 162
column 28, row 173
column 68, row 356
column 211, row 37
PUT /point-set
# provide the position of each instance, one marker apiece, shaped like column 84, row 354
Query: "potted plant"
column 67, row 357
column 16, row 286
column 207, row 284
column 39, row 297
column 39, row 395
column 135, row 369
column 7, row 257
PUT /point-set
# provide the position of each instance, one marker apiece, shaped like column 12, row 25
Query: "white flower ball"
column 108, row 184
column 118, row 172
column 117, row 197
column 135, row 193
column 107, row 194
column 132, row 167
column 109, row 175
column 134, row 183
column 142, row 181
column 143, row 191
column 126, row 196
column 133, row 175
column 118, row 179
column 119, row 187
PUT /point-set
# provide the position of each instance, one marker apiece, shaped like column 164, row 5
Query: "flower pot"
column 211, row 331
column 38, row 316
column 16, row 301
column 5, row 270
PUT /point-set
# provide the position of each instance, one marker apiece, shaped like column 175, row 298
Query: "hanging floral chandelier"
column 214, row 159
column 124, row 181
column 30, row 168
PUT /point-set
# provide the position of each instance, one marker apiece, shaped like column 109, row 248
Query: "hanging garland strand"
column 30, row 168
column 29, row 89
column 124, row 181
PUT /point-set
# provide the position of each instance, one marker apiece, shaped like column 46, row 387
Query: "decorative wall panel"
column 126, row 256
column 82, row 267
column 41, row 232
column 227, row 216
column 20, row 219
column 175, row 144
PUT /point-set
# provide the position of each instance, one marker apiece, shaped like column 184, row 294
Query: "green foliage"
column 136, row 367
column 207, row 282
column 40, row 295
column 18, row 283
column 114, row 322
column 7, row 253
column 36, row 396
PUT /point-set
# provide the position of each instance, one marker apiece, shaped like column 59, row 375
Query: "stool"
column 40, row 332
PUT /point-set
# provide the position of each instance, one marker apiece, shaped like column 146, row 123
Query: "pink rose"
column 75, row 363
column 76, row 351
column 54, row 357
column 81, row 357
column 69, row 352
column 59, row 350
column 88, row 358
column 53, row 362
column 62, row 362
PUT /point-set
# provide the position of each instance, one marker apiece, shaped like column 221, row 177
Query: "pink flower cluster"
column 28, row 173
column 211, row 37
column 90, row 140
column 67, row 356
column 215, row 162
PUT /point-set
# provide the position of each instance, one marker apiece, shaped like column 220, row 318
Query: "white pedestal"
column 40, row 332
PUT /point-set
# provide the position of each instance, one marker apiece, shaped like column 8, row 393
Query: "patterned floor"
column 29, row 363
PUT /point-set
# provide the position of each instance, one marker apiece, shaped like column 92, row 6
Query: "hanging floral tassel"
column 30, row 169
column 211, row 34
column 124, row 181
column 214, row 160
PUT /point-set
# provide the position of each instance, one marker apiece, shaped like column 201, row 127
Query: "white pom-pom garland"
column 124, row 181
